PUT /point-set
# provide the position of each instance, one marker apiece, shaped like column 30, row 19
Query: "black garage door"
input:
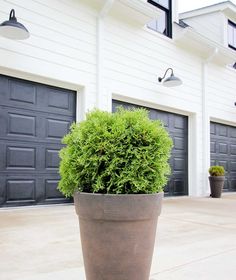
column 33, row 119
column 223, row 152
column 177, row 126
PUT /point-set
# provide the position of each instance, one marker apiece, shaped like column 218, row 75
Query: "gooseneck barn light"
column 12, row 29
column 171, row 81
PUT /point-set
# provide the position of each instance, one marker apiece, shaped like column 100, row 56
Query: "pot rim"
column 108, row 194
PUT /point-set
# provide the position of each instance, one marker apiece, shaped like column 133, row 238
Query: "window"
column 232, row 35
column 163, row 24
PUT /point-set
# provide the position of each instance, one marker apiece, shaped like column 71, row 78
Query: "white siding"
column 62, row 45
column 209, row 25
column 221, row 89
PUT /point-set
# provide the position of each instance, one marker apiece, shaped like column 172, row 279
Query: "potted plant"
column 216, row 179
column 115, row 166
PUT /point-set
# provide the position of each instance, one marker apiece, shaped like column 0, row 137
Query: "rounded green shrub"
column 216, row 170
column 120, row 153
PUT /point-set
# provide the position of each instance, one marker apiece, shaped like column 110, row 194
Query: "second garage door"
column 223, row 152
column 177, row 126
column 33, row 119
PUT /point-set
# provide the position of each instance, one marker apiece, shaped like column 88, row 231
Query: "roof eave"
column 194, row 42
column 220, row 7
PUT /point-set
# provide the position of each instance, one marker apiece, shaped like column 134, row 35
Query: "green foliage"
column 216, row 170
column 120, row 153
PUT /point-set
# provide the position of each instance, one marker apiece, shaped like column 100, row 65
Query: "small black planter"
column 216, row 184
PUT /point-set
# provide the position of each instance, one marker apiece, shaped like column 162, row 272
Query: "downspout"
column 100, row 51
column 206, row 123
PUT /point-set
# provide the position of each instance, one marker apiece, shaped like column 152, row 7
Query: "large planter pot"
column 117, row 234
column 216, row 185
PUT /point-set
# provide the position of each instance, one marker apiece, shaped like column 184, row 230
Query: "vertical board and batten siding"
column 62, row 45
column 210, row 26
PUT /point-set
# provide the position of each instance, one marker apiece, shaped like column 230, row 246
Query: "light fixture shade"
column 172, row 81
column 12, row 29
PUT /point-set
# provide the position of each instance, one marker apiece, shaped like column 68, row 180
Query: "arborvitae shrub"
column 216, row 170
column 120, row 153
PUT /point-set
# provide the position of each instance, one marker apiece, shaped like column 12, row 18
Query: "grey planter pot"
column 117, row 234
column 216, row 185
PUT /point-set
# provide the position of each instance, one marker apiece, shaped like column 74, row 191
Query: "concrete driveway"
column 196, row 239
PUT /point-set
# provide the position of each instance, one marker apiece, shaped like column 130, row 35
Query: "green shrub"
column 216, row 170
column 120, row 153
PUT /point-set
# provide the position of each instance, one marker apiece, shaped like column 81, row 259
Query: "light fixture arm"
column 12, row 15
column 172, row 73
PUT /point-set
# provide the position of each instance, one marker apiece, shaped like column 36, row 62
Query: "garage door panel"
column 213, row 162
column 222, row 130
column 179, row 122
column 56, row 128
column 213, row 147
column 33, row 120
column 52, row 159
column 213, row 129
column 179, row 187
column 223, row 148
column 24, row 125
column 57, row 101
column 233, row 185
column 233, row 150
column 179, row 143
column 162, row 117
column 224, row 163
column 232, row 133
column 179, row 164
column 20, row 190
column 19, row 157
column 52, row 192
column 232, row 166
column 226, row 184
column 177, row 127
column 22, row 92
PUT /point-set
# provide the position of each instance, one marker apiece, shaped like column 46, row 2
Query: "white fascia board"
column 230, row 13
column 193, row 41
column 220, row 7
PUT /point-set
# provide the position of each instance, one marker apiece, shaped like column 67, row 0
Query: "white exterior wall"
column 221, row 89
column 209, row 25
column 63, row 51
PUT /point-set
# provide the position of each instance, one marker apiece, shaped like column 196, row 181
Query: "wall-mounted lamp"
column 12, row 29
column 171, row 81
